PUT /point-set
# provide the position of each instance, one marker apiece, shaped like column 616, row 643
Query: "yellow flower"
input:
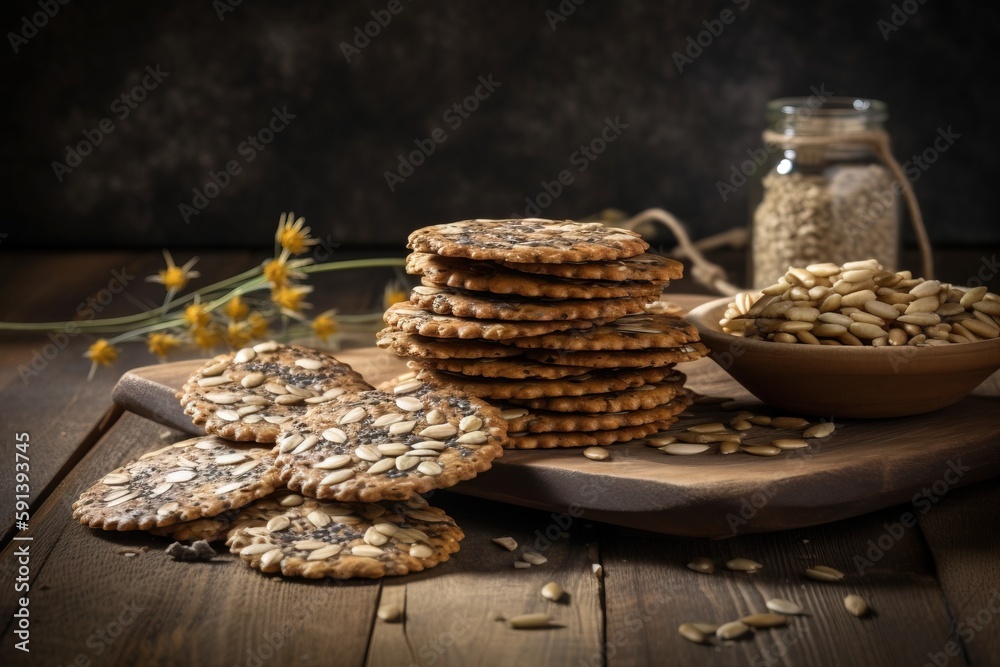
column 289, row 297
column 101, row 353
column 174, row 277
column 237, row 334
column 280, row 271
column 395, row 292
column 196, row 316
column 258, row 324
column 292, row 236
column 160, row 344
column 324, row 325
column 205, row 337
column 236, row 309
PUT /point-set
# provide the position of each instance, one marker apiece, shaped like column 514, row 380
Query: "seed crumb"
column 508, row 543
column 198, row 550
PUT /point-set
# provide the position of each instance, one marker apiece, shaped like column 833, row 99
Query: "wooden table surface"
column 934, row 582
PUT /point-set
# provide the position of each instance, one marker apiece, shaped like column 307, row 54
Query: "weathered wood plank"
column 650, row 592
column 961, row 532
column 88, row 599
column 451, row 610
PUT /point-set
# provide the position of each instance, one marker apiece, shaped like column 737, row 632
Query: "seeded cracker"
column 448, row 301
column 541, row 421
column 201, row 477
column 632, row 332
column 343, row 540
column 621, row 358
column 407, row 317
column 513, row 368
column 521, row 440
column 598, row 382
column 643, row 397
column 647, row 267
column 477, row 276
column 251, row 394
column 377, row 445
column 415, row 345
column 528, row 240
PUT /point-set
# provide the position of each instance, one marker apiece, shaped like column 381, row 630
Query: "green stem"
column 112, row 324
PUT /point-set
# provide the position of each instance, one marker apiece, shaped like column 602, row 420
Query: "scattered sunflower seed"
column 824, row 573
column 553, row 591
column 530, row 621
column 534, row 557
column 596, row 453
column 702, row 564
column 819, row 430
column 743, row 565
column 790, row 422
column 390, row 613
column 783, row 606
column 521, row 565
column 732, row 630
column 689, row 632
column 856, row 605
column 508, row 543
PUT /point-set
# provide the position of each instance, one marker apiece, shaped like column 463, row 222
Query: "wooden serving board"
column 866, row 465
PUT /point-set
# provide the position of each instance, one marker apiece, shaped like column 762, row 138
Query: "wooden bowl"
column 833, row 381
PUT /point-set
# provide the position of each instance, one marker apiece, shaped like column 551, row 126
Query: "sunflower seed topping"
column 439, row 431
column 409, row 403
column 277, row 523
column 381, row 466
column 407, row 386
column 251, row 380
column 353, row 415
column 430, row 468
column 337, row 477
column 333, row 462
column 388, row 418
column 182, row 475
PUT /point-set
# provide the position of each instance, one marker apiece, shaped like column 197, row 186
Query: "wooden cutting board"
column 866, row 465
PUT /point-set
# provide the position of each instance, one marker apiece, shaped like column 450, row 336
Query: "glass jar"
column 825, row 193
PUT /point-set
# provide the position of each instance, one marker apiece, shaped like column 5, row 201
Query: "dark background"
column 557, row 87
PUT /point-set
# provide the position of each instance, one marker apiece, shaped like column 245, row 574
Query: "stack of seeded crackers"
column 307, row 469
column 556, row 323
